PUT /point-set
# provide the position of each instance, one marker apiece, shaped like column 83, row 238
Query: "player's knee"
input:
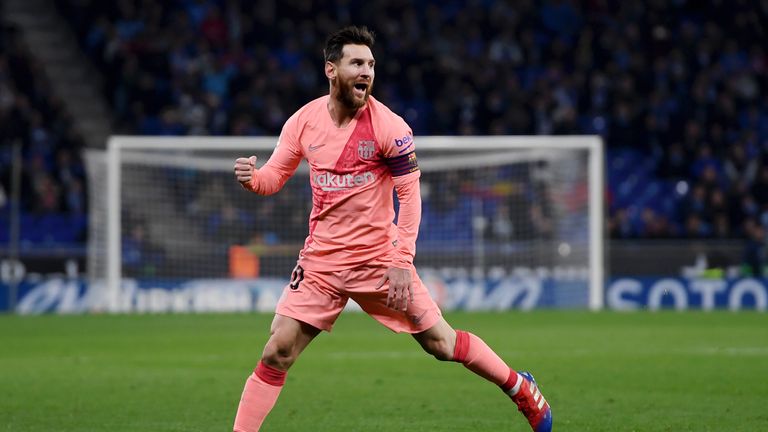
column 279, row 355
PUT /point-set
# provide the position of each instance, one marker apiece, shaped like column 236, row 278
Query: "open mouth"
column 361, row 89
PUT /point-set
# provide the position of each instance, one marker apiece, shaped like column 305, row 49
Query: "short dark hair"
column 348, row 35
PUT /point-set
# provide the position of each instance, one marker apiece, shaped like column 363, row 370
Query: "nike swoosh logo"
column 417, row 319
column 315, row 147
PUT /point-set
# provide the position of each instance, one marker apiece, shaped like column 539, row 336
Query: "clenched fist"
column 244, row 168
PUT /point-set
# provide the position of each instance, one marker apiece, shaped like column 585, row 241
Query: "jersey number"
column 297, row 275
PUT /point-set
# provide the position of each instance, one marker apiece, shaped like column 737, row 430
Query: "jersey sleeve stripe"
column 409, row 146
column 402, row 165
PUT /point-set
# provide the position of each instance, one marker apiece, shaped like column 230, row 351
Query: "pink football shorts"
column 317, row 298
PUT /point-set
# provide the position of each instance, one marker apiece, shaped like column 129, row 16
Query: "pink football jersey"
column 353, row 171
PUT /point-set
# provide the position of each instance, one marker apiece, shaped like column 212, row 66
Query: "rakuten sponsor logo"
column 335, row 182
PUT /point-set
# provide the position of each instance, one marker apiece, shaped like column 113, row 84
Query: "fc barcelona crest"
column 366, row 149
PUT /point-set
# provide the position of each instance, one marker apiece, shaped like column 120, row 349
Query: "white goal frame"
column 596, row 182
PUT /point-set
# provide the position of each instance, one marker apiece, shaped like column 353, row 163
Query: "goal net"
column 506, row 221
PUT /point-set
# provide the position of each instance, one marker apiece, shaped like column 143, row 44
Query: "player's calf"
column 441, row 349
column 439, row 341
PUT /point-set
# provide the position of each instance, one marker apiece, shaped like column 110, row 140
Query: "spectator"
column 141, row 258
column 740, row 169
column 674, row 82
column 229, row 225
column 754, row 248
column 30, row 115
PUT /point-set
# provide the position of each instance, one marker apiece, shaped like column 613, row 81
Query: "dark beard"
column 347, row 99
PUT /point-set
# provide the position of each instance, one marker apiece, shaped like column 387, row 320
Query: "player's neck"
column 340, row 114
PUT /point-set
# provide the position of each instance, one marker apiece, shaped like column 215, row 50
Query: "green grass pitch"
column 600, row 371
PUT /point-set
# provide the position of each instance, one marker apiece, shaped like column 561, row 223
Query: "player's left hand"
column 400, row 292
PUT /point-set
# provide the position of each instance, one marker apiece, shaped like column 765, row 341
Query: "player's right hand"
column 244, row 168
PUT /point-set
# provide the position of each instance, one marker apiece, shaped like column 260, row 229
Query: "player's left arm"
column 400, row 275
column 408, row 191
column 400, row 156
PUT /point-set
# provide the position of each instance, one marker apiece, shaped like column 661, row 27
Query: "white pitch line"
column 732, row 351
column 700, row 351
column 417, row 352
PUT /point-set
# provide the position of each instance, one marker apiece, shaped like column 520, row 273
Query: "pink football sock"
column 478, row 357
column 259, row 396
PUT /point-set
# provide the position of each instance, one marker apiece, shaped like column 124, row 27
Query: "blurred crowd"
column 52, row 187
column 682, row 83
column 677, row 80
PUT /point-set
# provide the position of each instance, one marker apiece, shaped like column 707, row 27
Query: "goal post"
column 497, row 208
column 544, row 144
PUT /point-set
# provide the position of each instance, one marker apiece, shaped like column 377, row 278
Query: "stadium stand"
column 53, row 203
column 673, row 87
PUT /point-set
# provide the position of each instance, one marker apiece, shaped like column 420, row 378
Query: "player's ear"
column 330, row 70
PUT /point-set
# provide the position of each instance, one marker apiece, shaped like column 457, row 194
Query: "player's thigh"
column 312, row 298
column 421, row 314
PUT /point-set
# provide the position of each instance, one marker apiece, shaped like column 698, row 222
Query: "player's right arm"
column 271, row 177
